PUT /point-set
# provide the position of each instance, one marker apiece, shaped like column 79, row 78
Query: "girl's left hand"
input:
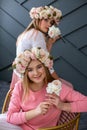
column 53, row 40
column 54, row 100
column 50, row 42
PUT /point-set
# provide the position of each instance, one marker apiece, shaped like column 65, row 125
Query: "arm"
column 16, row 114
column 69, row 100
column 58, row 103
column 54, row 75
column 42, row 108
column 77, row 102
column 50, row 42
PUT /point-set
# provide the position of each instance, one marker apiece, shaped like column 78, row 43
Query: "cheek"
column 42, row 24
column 30, row 74
column 43, row 72
column 41, row 27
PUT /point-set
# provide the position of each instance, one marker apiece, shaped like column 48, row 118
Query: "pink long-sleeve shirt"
column 17, row 108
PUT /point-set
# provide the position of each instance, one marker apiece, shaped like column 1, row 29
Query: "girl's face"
column 36, row 72
column 44, row 24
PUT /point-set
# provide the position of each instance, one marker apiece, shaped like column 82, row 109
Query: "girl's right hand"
column 43, row 107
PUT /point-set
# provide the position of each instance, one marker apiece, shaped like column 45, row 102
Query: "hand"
column 53, row 40
column 55, row 100
column 43, row 107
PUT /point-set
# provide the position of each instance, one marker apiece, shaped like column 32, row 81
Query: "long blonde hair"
column 26, row 81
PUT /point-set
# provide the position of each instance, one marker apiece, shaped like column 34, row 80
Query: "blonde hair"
column 26, row 81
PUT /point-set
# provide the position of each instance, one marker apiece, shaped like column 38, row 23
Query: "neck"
column 36, row 86
column 45, row 34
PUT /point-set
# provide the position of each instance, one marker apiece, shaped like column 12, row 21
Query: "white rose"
column 27, row 54
column 54, row 31
column 54, row 87
column 35, row 51
column 32, row 12
column 43, row 14
column 43, row 55
column 20, row 68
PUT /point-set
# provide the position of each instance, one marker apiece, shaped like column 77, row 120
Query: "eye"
column 46, row 20
column 39, row 66
column 30, row 70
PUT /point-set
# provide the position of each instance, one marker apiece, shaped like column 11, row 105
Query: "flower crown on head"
column 45, row 13
column 21, row 62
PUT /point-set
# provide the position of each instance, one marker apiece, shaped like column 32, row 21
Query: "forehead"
column 34, row 63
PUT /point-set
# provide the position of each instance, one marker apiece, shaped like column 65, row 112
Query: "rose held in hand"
column 54, row 87
column 54, row 32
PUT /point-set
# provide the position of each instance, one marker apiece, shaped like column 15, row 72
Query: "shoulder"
column 66, row 87
column 33, row 33
column 18, row 87
column 37, row 32
column 66, row 91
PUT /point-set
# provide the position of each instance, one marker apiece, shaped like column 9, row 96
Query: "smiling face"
column 44, row 24
column 36, row 72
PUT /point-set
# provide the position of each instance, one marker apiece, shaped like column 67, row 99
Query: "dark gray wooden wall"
column 71, row 56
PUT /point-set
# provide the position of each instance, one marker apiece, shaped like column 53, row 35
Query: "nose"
column 49, row 24
column 35, row 72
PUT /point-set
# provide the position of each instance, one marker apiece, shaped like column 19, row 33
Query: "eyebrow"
column 35, row 66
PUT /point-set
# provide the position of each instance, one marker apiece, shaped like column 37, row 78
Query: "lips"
column 37, row 77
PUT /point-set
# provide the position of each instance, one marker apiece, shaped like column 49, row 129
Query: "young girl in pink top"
column 37, row 99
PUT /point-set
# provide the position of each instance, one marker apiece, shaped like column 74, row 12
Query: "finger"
column 51, row 95
column 44, row 110
column 46, row 103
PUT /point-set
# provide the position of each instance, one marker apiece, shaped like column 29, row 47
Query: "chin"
column 37, row 81
column 45, row 30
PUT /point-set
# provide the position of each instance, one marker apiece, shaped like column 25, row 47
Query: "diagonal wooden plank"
column 71, row 55
column 8, row 43
column 69, row 5
column 36, row 3
column 10, row 25
column 21, row 1
column 79, row 37
column 70, row 22
column 6, row 75
column 68, row 72
column 16, row 11
column 84, row 50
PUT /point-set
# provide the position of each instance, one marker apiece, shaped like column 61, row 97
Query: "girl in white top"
column 36, row 34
